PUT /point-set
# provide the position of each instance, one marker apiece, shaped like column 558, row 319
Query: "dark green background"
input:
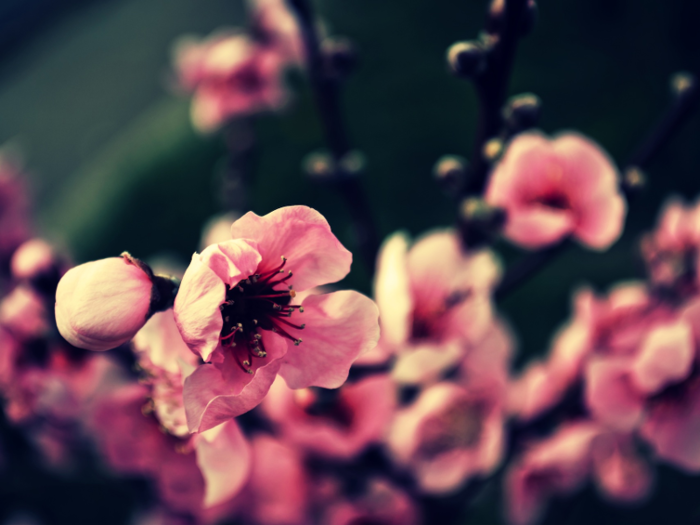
column 116, row 166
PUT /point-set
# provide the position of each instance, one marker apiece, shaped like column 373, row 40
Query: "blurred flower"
column 23, row 312
column 234, row 302
column 340, row 425
column 671, row 251
column 275, row 26
column 102, row 304
column 379, row 503
column 448, row 435
column 561, row 463
column 230, row 75
column 32, row 259
column 552, row 188
column 434, row 300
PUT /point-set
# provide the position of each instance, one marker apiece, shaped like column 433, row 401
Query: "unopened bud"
column 319, row 165
column 450, row 171
column 522, row 112
column 497, row 14
column 102, row 304
column 683, row 84
column 480, row 222
column 32, row 259
column 633, row 180
column 466, row 59
column 352, row 163
column 493, row 149
column 340, row 56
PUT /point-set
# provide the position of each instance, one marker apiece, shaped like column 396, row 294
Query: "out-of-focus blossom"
column 671, row 251
column 162, row 355
column 230, row 75
column 341, row 426
column 448, row 435
column 613, row 326
column 275, row 26
column 380, row 503
column 191, row 474
column 236, row 309
column 102, row 304
column 277, row 491
column 32, row 259
column 553, row 188
column 561, row 463
column 23, row 313
column 434, row 301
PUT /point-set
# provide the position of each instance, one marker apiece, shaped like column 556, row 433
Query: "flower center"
column 255, row 304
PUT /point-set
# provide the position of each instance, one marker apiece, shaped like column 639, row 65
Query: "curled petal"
column 340, row 326
column 224, row 457
column 392, row 290
column 304, row 237
column 209, row 401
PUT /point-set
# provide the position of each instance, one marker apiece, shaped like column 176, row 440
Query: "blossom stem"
column 239, row 138
column 491, row 89
column 326, row 91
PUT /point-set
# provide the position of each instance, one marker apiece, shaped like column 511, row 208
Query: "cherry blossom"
column 553, row 188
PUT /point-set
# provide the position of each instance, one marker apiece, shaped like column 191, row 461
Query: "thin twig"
column 326, row 90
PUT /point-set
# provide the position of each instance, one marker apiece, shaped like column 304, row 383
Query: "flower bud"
column 31, row 259
column 450, row 171
column 102, row 304
column 522, row 112
column 466, row 59
column 480, row 222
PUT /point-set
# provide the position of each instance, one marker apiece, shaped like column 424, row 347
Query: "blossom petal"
column 224, row 457
column 209, row 401
column 391, row 289
column 304, row 237
column 538, row 226
column 425, row 363
column 610, row 395
column 665, row 357
column 339, row 327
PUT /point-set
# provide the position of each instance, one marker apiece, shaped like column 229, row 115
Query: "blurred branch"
column 326, row 89
column 492, row 84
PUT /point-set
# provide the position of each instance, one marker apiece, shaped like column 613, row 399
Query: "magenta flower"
column 236, row 309
column 341, row 427
column 230, row 75
column 23, row 312
column 434, row 302
column 553, row 188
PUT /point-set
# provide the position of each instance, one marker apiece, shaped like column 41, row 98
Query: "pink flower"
column 236, row 309
column 24, row 313
column 102, row 304
column 434, row 301
column 380, row 503
column 162, row 355
column 32, row 259
column 448, row 435
column 191, row 475
column 552, row 188
column 671, row 251
column 562, row 462
column 231, row 76
column 340, row 427
column 277, row 27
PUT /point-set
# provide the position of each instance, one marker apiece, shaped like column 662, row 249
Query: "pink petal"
column 665, row 357
column 339, row 327
column 422, row 364
column 620, row 472
column 673, row 429
column 602, row 222
column 537, row 226
column 203, row 290
column 209, row 401
column 610, row 395
column 391, row 289
column 304, row 237
column 224, row 457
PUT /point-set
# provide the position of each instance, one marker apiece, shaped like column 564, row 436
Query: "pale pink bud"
column 31, row 259
column 102, row 304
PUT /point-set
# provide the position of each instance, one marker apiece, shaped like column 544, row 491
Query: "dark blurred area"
column 84, row 92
